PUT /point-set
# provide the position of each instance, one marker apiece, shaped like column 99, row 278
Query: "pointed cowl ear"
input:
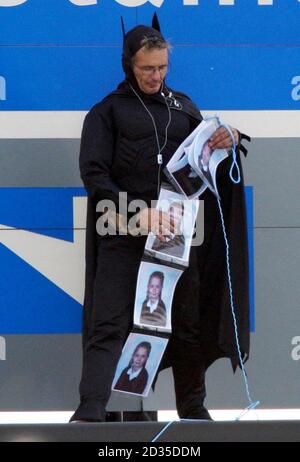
column 155, row 22
column 123, row 27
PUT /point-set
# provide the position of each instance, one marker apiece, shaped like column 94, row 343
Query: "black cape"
column 217, row 331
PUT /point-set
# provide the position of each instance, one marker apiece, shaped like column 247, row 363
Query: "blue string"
column 252, row 404
column 234, row 164
column 247, row 409
column 237, row 180
column 162, row 431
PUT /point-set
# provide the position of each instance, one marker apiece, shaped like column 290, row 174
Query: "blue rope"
column 234, row 164
column 168, row 424
column 162, row 431
column 247, row 409
column 252, row 404
column 236, row 180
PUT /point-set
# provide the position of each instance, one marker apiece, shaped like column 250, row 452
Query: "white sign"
column 296, row 350
column 12, row 2
column 84, row 2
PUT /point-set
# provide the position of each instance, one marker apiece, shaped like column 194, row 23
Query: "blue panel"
column 215, row 77
column 243, row 78
column 30, row 303
column 244, row 23
column 61, row 22
column 58, row 78
column 250, row 220
column 48, row 211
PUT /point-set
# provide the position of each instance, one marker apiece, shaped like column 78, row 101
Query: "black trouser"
column 188, row 369
column 111, row 321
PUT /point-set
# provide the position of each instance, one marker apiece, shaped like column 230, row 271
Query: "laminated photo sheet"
column 141, row 350
column 185, row 179
column 154, row 295
column 193, row 166
column 182, row 170
column 181, row 150
column 218, row 155
column 176, row 247
column 206, row 161
column 156, row 282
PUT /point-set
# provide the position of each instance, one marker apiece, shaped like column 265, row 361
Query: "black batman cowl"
column 133, row 43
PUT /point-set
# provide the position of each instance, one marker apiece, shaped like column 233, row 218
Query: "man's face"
column 150, row 68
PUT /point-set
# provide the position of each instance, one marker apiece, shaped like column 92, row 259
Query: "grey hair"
column 153, row 43
column 150, row 43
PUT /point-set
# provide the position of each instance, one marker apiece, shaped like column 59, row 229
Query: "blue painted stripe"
column 61, row 22
column 47, row 211
column 228, row 78
column 30, row 303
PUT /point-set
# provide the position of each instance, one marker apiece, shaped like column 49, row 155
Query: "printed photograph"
column 176, row 246
column 138, row 364
column 154, row 295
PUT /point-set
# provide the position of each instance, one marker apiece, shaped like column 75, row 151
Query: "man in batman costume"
column 121, row 138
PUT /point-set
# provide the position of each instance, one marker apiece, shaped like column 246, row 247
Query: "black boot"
column 140, row 416
column 189, row 381
column 113, row 416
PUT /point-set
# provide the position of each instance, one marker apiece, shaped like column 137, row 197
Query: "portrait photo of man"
column 204, row 159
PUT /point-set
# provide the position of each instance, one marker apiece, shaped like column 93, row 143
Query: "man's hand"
column 160, row 223
column 221, row 138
